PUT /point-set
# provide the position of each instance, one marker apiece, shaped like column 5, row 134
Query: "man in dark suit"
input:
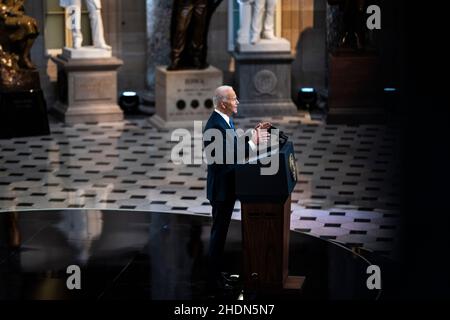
column 221, row 173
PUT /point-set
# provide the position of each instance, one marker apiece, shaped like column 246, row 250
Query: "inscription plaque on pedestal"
column 87, row 90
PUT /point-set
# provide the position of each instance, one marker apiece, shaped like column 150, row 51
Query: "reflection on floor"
column 348, row 185
column 157, row 256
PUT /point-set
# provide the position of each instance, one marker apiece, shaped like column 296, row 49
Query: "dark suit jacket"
column 221, row 177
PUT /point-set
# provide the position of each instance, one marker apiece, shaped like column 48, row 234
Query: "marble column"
column 159, row 13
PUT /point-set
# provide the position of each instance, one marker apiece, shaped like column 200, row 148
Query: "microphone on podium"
column 283, row 138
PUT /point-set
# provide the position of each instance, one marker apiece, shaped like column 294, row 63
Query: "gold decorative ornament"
column 17, row 34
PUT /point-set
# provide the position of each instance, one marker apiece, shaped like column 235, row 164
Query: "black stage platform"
column 155, row 256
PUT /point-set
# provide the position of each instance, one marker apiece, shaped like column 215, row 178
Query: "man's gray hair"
column 219, row 94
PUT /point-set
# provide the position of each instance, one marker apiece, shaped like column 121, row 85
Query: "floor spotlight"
column 129, row 102
column 307, row 98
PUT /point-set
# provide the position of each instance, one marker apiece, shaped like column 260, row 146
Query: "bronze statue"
column 189, row 33
column 354, row 23
column 17, row 34
column 17, row 31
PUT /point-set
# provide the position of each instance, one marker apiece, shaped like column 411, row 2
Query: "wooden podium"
column 266, row 210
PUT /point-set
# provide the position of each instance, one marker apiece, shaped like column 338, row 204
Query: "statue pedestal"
column 23, row 112
column 354, row 89
column 87, row 90
column 264, row 45
column 86, row 53
column 184, row 96
column 264, row 83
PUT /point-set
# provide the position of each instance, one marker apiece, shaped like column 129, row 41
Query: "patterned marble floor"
column 348, row 185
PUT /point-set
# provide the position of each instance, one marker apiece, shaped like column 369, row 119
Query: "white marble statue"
column 257, row 20
column 94, row 8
